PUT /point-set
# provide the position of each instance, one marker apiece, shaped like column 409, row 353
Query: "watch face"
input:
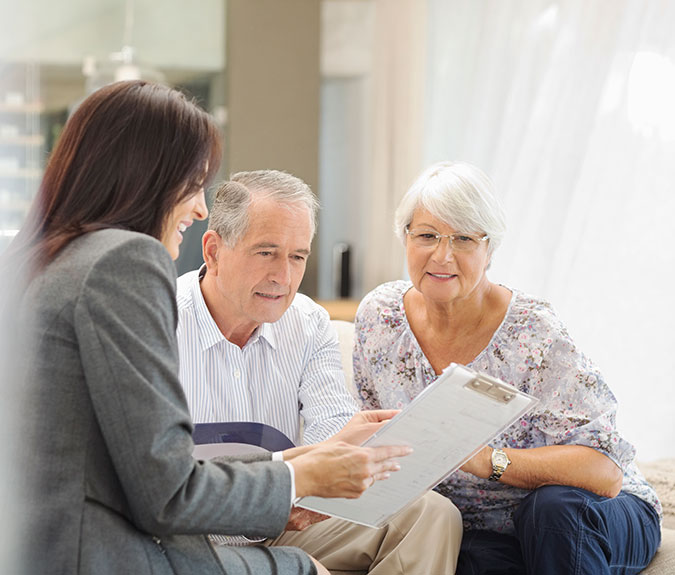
column 499, row 459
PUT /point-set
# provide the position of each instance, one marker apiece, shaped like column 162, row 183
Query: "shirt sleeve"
column 125, row 323
column 279, row 456
column 325, row 403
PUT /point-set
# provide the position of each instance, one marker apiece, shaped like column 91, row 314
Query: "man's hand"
column 301, row 519
column 363, row 425
column 337, row 469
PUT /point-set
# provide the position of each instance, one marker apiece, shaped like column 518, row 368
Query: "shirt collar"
column 268, row 333
column 210, row 333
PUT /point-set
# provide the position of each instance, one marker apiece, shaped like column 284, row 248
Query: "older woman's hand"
column 480, row 464
column 575, row 465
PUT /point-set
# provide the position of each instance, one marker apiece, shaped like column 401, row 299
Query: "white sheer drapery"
column 569, row 106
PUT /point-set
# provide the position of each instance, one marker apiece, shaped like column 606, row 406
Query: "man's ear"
column 211, row 245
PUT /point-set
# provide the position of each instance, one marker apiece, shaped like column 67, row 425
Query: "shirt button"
column 237, row 373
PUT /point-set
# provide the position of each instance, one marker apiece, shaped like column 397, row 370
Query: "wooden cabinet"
column 344, row 309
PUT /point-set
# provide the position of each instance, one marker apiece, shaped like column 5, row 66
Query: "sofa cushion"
column 664, row 560
column 661, row 475
column 345, row 333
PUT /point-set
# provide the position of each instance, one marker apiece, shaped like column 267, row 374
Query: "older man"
column 252, row 349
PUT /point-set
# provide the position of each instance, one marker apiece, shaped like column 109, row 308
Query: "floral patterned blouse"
column 532, row 351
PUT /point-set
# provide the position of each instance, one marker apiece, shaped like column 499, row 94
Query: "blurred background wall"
column 566, row 104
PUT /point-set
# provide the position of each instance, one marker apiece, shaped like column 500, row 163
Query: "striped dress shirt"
column 288, row 370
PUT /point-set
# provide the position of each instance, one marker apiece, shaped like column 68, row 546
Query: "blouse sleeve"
column 364, row 329
column 576, row 404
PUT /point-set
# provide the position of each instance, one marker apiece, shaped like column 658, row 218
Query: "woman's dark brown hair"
column 129, row 154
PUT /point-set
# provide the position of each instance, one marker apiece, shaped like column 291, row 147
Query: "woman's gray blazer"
column 111, row 483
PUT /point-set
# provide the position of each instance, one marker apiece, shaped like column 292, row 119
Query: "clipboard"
column 446, row 424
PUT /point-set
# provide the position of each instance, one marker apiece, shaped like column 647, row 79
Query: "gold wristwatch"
column 500, row 461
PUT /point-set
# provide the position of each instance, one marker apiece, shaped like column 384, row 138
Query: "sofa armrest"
column 345, row 332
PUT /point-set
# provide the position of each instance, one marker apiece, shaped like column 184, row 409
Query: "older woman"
column 558, row 491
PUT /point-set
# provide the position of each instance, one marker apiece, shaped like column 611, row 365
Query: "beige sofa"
column 661, row 474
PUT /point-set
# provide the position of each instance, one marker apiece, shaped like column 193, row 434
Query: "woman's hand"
column 338, row 469
column 480, row 464
column 363, row 425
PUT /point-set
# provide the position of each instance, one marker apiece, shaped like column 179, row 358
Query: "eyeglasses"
column 422, row 238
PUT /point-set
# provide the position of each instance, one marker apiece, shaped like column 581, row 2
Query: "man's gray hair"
column 458, row 194
column 229, row 212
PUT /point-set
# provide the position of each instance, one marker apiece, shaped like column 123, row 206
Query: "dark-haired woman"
column 110, row 482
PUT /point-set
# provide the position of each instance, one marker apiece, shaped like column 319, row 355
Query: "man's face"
column 258, row 278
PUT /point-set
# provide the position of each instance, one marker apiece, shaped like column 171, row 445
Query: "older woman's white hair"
column 460, row 195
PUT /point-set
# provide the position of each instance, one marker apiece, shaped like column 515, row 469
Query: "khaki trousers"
column 422, row 540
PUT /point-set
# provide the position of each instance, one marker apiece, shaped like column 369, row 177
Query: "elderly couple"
column 110, row 384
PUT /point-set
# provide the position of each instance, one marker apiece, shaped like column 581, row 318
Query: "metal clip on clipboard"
column 491, row 387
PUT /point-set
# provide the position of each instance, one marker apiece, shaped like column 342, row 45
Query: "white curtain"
column 569, row 106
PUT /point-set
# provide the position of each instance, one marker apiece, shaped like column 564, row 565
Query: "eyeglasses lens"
column 430, row 239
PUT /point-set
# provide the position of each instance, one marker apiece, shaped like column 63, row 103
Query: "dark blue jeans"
column 566, row 530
